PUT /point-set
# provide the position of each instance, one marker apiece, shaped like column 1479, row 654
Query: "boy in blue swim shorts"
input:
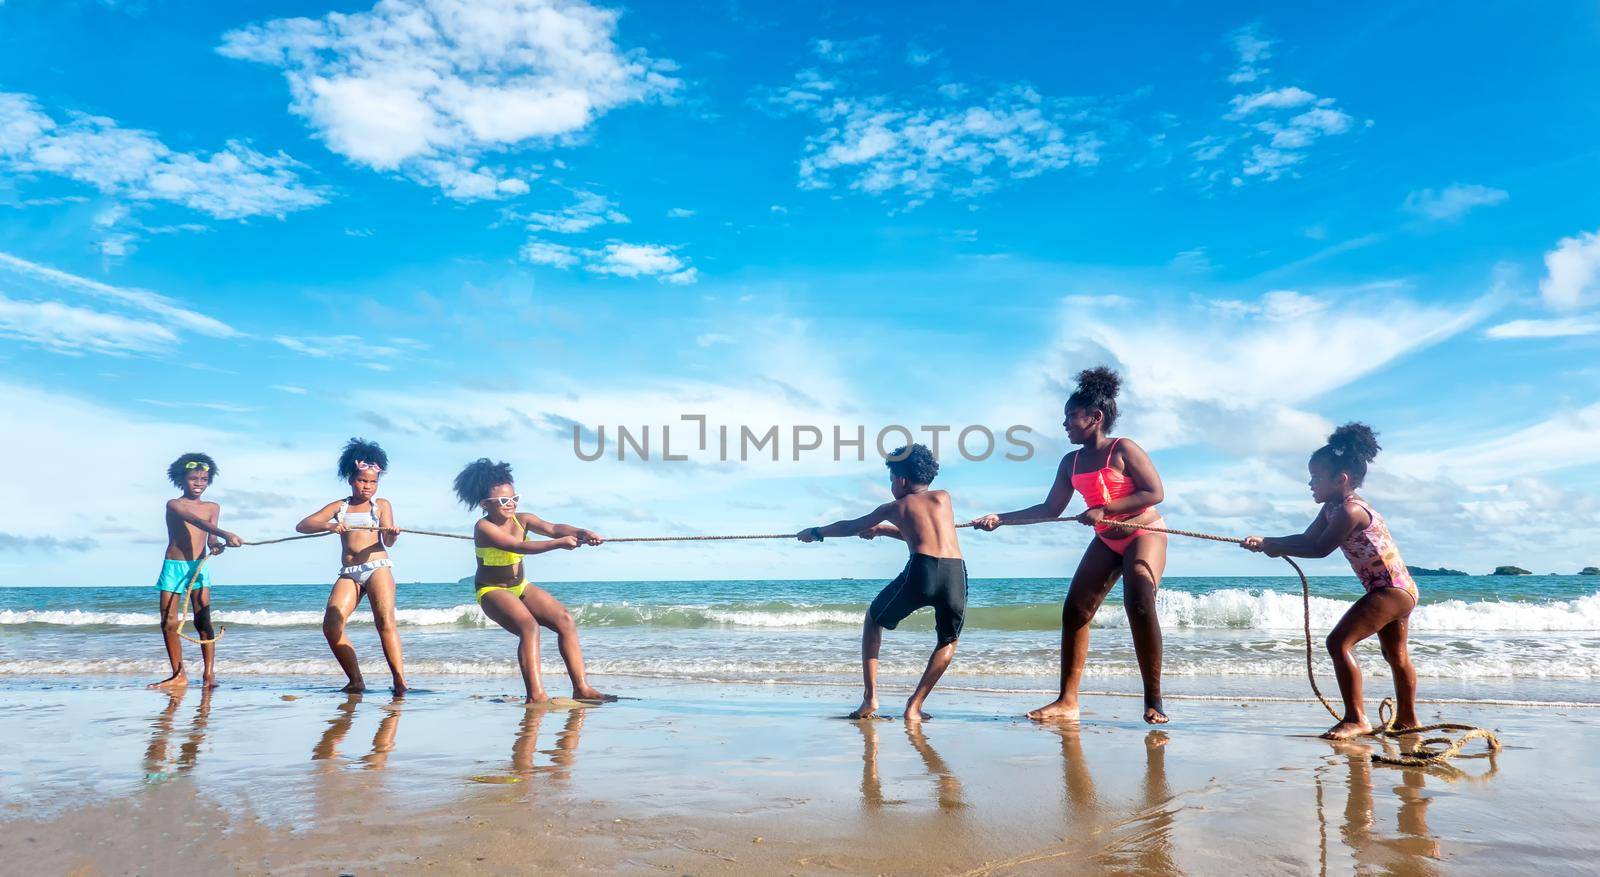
column 190, row 521
column 935, row 575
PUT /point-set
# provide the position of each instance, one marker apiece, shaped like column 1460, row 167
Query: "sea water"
column 1478, row 637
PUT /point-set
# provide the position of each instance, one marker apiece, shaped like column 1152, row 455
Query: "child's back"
column 926, row 521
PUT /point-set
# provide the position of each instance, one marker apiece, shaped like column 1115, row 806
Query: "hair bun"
column 1099, row 382
column 1357, row 439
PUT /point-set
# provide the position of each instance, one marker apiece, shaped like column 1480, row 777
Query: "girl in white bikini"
column 365, row 525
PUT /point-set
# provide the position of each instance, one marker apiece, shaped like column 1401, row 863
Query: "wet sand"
column 710, row 779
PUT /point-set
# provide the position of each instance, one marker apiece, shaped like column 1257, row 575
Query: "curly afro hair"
column 1349, row 450
column 359, row 449
column 915, row 464
column 1097, row 389
column 478, row 478
column 180, row 468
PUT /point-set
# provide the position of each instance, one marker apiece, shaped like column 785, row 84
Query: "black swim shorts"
column 940, row 582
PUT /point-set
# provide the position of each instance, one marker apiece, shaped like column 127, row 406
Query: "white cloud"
column 558, row 255
column 1251, row 49
column 1239, row 379
column 1453, row 203
column 1573, row 278
column 885, row 145
column 291, row 389
column 712, row 338
column 679, row 213
column 142, row 322
column 1274, row 127
column 343, row 346
column 587, row 211
column 427, row 88
column 234, row 183
column 616, row 259
column 1564, row 327
column 74, row 330
column 840, row 51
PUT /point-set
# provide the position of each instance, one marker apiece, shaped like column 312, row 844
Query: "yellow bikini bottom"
column 516, row 590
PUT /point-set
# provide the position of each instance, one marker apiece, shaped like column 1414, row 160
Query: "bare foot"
column 356, row 686
column 587, row 693
column 1347, row 730
column 914, row 713
column 209, row 681
column 1058, row 710
column 1154, row 715
column 867, row 709
column 176, row 680
column 539, row 699
column 400, row 687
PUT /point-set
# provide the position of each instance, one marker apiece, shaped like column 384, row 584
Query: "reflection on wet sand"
column 562, row 757
column 155, row 754
column 1414, row 850
column 1142, row 842
column 383, row 741
column 947, row 785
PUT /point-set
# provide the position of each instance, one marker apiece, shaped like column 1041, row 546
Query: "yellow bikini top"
column 498, row 556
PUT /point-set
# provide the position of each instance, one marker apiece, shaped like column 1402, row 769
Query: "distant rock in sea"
column 1441, row 571
column 1590, row 571
column 1510, row 571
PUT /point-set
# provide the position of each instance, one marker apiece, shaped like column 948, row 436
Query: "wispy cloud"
column 617, row 259
column 234, row 183
column 143, row 322
column 893, row 145
column 1273, row 128
column 429, row 88
column 1563, row 327
column 1454, row 202
column 588, row 210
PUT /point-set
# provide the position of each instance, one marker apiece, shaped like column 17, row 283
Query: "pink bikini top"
column 1102, row 486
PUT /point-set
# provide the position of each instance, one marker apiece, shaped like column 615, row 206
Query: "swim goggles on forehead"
column 505, row 501
column 196, row 464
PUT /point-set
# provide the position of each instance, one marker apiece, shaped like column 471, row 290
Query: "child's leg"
column 871, row 642
column 171, row 604
column 1142, row 565
column 380, row 595
column 201, row 599
column 1097, row 572
column 550, row 613
column 938, row 662
column 342, row 601
column 1374, row 611
column 1393, row 637
column 508, row 612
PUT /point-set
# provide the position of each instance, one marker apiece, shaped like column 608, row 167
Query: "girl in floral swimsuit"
column 1349, row 524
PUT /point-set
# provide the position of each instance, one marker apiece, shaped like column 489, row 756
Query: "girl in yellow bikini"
column 501, row 541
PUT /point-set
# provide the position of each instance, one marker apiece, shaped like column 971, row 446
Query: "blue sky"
column 455, row 228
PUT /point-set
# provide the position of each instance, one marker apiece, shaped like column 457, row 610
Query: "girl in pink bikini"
column 1118, row 483
column 1349, row 524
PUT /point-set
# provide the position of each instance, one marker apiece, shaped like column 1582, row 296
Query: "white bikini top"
column 367, row 518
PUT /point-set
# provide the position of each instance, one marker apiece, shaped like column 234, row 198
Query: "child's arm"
column 848, row 528
column 388, row 533
column 494, row 537
column 877, row 530
column 1320, row 539
column 321, row 521
column 545, row 528
column 175, row 507
column 1054, row 503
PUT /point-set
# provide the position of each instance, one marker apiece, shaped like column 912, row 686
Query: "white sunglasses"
column 506, row 501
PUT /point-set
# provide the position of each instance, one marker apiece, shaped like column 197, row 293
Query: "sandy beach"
column 705, row 778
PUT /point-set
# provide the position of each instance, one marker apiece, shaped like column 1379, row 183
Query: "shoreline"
column 704, row 778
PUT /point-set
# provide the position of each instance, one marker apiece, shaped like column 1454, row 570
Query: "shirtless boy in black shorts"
column 934, row 576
